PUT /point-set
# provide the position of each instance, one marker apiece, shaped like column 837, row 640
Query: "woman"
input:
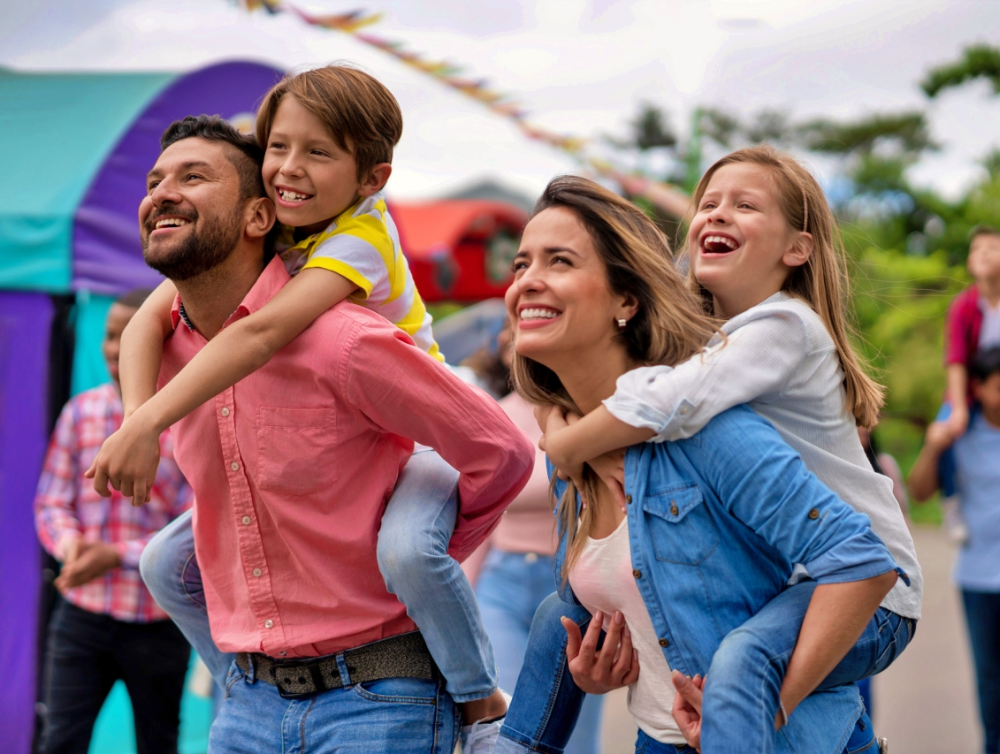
column 712, row 525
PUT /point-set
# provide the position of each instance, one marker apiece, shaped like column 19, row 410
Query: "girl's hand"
column 612, row 667
column 551, row 420
column 128, row 461
column 687, row 707
column 610, row 467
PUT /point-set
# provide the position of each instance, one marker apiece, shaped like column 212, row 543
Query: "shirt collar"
column 271, row 280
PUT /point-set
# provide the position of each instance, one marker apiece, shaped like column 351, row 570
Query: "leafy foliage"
column 977, row 61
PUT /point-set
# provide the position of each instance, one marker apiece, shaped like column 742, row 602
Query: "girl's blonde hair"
column 822, row 281
column 668, row 328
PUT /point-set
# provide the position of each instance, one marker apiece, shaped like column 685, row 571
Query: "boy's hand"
column 86, row 561
column 940, row 436
column 615, row 665
column 687, row 707
column 128, row 461
column 957, row 422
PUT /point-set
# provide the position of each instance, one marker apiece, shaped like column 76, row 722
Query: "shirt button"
column 257, row 572
column 664, row 643
column 269, row 623
column 637, row 574
column 685, row 411
column 814, row 514
column 628, row 499
column 531, row 558
column 282, row 653
column 245, row 520
column 673, row 508
column 225, row 411
column 234, row 466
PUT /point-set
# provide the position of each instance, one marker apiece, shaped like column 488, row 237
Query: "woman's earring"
column 621, row 323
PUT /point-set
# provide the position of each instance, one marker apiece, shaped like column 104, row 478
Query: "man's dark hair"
column 134, row 298
column 982, row 230
column 986, row 363
column 248, row 161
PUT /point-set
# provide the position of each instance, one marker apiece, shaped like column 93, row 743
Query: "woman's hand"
column 128, row 461
column 612, row 667
column 687, row 707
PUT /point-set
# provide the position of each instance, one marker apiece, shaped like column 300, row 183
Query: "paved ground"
column 925, row 703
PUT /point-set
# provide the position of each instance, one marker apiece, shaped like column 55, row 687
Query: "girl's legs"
column 510, row 588
column 170, row 572
column 546, row 703
column 743, row 684
column 982, row 615
column 413, row 556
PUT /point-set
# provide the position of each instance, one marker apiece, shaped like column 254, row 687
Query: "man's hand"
column 687, row 707
column 941, row 435
column 128, row 461
column 615, row 665
column 85, row 561
column 957, row 422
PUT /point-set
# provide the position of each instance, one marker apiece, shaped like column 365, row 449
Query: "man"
column 291, row 469
column 108, row 627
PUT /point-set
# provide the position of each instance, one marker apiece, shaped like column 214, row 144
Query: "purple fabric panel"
column 107, row 254
column 25, row 321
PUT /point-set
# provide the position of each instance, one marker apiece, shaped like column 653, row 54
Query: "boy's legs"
column 170, row 571
column 546, row 703
column 413, row 557
column 153, row 661
column 743, row 684
column 982, row 615
column 391, row 716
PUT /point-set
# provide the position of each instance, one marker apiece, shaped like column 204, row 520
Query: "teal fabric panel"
column 55, row 132
column 89, row 369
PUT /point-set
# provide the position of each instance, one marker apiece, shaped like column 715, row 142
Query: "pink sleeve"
column 55, row 499
column 407, row 393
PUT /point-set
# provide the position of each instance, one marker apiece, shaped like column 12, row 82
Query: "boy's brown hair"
column 983, row 230
column 361, row 115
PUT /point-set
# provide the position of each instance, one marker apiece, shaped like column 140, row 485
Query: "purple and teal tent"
column 75, row 151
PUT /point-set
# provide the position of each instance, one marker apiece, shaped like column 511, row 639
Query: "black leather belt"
column 403, row 656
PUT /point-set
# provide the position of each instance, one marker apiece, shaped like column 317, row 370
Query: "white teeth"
column 538, row 314
column 723, row 240
column 292, row 196
column 171, row 222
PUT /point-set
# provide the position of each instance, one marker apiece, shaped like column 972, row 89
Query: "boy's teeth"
column 538, row 314
column 293, row 196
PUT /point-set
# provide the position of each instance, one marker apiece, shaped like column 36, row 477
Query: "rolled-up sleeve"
column 765, row 484
column 55, row 498
column 408, row 393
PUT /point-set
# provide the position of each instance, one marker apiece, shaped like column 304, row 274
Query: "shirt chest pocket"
column 680, row 525
column 294, row 450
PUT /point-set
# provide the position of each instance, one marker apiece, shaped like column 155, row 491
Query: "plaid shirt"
column 68, row 508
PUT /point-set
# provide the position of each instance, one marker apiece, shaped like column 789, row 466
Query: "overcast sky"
column 580, row 66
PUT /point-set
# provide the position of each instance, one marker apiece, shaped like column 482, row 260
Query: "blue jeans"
column 412, row 554
column 982, row 615
column 862, row 740
column 391, row 716
column 511, row 586
column 741, row 690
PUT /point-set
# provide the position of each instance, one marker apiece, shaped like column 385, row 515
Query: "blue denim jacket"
column 716, row 522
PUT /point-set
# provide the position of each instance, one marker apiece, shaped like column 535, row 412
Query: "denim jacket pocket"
column 680, row 526
column 290, row 445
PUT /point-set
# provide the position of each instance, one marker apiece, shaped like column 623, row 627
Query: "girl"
column 764, row 255
column 594, row 297
column 328, row 136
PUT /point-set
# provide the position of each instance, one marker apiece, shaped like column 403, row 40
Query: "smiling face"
column 561, row 306
column 306, row 174
column 192, row 215
column 741, row 247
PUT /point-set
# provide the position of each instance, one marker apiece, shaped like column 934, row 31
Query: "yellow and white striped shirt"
column 362, row 244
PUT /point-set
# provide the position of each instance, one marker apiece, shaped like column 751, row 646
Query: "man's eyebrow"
column 184, row 166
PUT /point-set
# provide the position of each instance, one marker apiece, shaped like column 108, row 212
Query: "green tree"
column 977, row 61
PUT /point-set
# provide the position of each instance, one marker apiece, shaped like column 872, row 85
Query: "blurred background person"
column 515, row 566
column 969, row 465
column 107, row 627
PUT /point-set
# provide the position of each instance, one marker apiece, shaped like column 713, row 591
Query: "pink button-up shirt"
column 292, row 467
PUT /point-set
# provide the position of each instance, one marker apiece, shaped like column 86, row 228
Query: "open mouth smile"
column 168, row 224
column 536, row 316
column 290, row 198
column 718, row 244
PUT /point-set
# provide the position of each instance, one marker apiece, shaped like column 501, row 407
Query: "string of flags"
column 666, row 197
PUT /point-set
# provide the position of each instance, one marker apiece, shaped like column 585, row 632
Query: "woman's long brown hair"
column 668, row 328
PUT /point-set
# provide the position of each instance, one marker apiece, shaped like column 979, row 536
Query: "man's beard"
column 203, row 250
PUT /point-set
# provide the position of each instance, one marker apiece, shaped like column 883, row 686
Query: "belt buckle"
column 301, row 675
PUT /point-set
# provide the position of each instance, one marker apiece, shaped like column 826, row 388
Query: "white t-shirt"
column 602, row 580
column 781, row 360
column 989, row 332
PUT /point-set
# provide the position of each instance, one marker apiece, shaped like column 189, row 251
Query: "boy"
column 970, row 466
column 108, row 627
